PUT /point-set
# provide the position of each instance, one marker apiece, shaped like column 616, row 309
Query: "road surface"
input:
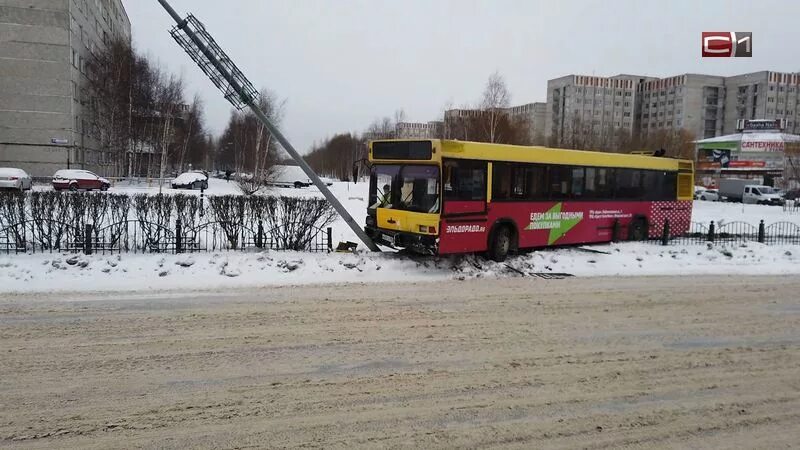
column 515, row 363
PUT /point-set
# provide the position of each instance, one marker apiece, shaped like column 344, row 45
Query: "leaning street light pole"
column 198, row 43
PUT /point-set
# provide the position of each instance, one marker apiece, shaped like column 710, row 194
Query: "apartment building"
column 705, row 105
column 45, row 50
column 416, row 130
column 579, row 104
column 763, row 95
column 690, row 101
column 532, row 116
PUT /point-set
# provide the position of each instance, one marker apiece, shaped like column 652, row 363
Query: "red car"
column 79, row 179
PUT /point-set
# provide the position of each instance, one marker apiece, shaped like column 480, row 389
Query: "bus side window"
column 537, row 182
column 518, row 184
column 560, row 181
column 577, row 183
column 501, row 181
column 628, row 184
column 465, row 180
column 591, row 183
column 670, row 191
column 605, row 183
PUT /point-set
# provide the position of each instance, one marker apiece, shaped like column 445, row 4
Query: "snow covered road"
column 681, row 362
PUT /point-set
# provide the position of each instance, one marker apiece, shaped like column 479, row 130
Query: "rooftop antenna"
column 198, row 43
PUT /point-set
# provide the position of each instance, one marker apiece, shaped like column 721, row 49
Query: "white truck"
column 745, row 191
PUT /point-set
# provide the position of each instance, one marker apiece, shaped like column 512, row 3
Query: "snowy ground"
column 48, row 272
column 705, row 212
column 35, row 273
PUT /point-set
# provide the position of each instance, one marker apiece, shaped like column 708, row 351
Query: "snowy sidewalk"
column 129, row 272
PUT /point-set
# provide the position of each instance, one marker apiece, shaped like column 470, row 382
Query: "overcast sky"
column 340, row 64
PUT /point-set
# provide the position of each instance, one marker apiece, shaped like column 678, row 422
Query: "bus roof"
column 547, row 155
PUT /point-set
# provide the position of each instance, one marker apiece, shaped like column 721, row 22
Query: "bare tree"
column 336, row 157
column 381, row 129
column 111, row 70
column 494, row 103
column 249, row 148
column 399, row 116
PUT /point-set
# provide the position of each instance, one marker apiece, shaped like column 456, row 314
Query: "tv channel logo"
column 727, row 44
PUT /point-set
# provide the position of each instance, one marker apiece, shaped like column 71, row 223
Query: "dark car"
column 793, row 194
column 74, row 180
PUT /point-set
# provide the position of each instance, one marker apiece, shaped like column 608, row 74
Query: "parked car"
column 711, row 195
column 190, row 180
column 793, row 194
column 697, row 191
column 74, row 179
column 16, row 179
column 761, row 195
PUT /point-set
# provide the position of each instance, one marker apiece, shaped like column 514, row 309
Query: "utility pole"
column 192, row 36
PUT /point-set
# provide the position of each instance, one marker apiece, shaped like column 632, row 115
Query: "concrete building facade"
column 705, row 105
column 45, row 47
column 417, row 130
column 763, row 95
column 532, row 116
column 690, row 101
column 579, row 104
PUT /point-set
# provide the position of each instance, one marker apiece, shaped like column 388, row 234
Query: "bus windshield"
column 405, row 187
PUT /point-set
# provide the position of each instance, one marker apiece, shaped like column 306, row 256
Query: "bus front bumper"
column 419, row 243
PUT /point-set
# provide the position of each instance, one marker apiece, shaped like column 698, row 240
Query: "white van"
column 761, row 195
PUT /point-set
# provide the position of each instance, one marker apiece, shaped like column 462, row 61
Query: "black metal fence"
column 106, row 224
column 779, row 233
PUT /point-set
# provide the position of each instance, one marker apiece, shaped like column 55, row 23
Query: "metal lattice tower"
column 198, row 43
column 239, row 98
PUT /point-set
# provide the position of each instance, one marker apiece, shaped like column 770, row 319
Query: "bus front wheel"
column 500, row 244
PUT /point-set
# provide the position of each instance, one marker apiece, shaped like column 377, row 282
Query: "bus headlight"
column 427, row 229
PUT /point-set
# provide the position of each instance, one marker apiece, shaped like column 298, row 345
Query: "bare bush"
column 228, row 211
column 298, row 221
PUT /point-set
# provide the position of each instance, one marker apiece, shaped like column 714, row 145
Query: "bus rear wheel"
column 638, row 230
column 500, row 244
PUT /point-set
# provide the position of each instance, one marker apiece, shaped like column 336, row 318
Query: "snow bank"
column 78, row 273
column 705, row 212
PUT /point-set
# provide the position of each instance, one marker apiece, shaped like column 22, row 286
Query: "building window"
column 770, row 99
column 772, row 88
column 627, row 114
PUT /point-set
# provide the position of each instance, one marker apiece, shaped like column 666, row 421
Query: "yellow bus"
column 449, row 197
